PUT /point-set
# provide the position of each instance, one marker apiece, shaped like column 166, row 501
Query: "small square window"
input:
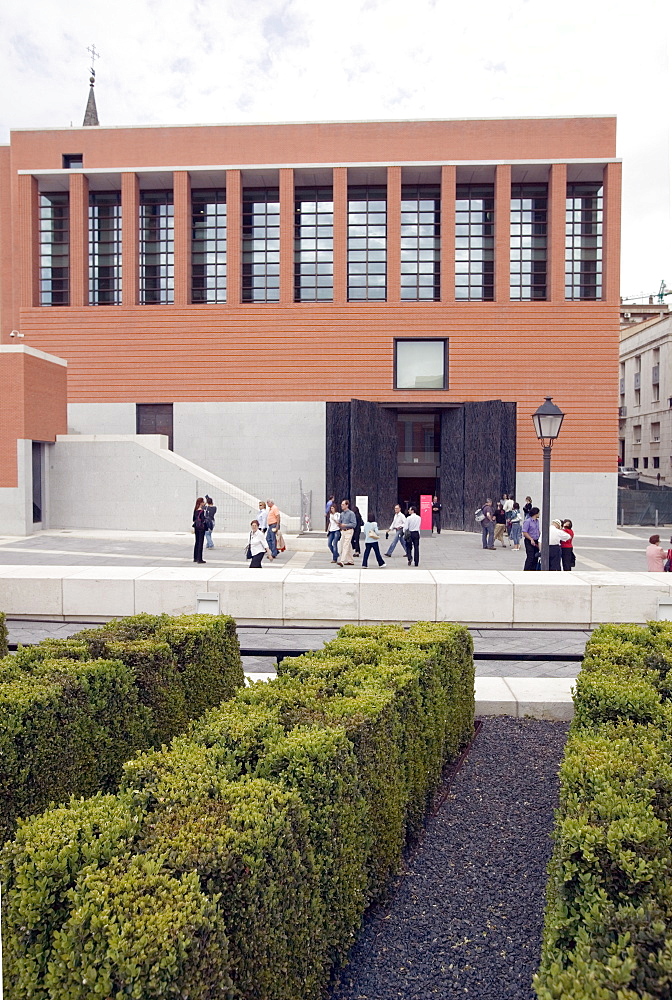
column 420, row 364
column 73, row 161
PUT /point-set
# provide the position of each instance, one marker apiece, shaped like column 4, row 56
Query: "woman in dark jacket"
column 356, row 535
column 199, row 530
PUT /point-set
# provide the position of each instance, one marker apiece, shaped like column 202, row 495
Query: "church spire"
column 91, row 113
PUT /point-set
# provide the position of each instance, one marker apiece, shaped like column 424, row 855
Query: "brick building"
column 370, row 307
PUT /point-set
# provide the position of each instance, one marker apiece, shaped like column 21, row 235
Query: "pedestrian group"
column 505, row 520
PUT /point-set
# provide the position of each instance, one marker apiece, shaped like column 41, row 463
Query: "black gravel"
column 464, row 919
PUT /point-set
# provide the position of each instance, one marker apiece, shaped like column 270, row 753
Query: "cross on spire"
column 91, row 113
column 94, row 55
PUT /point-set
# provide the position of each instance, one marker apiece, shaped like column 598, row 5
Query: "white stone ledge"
column 526, row 697
column 285, row 596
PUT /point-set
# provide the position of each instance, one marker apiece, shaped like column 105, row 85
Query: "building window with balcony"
column 475, row 242
column 637, row 433
column 655, row 431
column 528, row 241
column 261, row 245
column 420, row 364
column 54, row 249
column 105, row 248
column 367, row 243
column 655, row 392
column 208, row 245
column 313, row 244
column 583, row 241
column 157, row 248
column 420, row 242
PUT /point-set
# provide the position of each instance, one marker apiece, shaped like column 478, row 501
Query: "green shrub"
column 249, row 846
column 290, row 805
column 40, row 867
column 65, row 729
column 4, row 637
column 134, row 931
column 608, row 925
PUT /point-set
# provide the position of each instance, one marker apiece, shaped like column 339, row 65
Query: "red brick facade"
column 514, row 351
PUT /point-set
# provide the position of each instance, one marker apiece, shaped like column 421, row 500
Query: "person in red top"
column 567, row 547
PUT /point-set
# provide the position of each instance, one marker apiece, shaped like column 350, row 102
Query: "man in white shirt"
column 398, row 526
column 413, row 529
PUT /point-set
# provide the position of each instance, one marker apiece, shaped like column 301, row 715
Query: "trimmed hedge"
column 4, row 637
column 72, row 711
column 608, row 925
column 278, row 817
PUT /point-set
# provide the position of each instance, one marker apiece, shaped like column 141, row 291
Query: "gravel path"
column 465, row 917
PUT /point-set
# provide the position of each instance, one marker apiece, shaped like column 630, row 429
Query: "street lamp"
column 547, row 423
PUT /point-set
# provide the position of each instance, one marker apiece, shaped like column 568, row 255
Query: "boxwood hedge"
column 73, row 711
column 273, row 821
column 608, row 926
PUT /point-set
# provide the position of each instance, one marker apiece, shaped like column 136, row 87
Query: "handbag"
column 374, row 535
column 280, row 541
column 248, row 550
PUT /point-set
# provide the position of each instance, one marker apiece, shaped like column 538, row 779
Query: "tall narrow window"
column 583, row 241
column 529, row 253
column 261, row 245
column 367, row 242
column 105, row 248
column 157, row 248
column 208, row 246
column 55, row 249
column 420, row 242
column 313, row 244
column 475, row 242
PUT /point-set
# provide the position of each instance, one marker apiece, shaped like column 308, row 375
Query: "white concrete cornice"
column 33, row 352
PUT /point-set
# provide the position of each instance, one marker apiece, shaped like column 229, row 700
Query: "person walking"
column 273, row 523
column 413, row 536
column 258, row 545
column 348, row 523
column 332, row 499
column 371, row 535
column 567, row 556
column 198, row 522
column 655, row 556
column 209, row 510
column 436, row 515
column 556, row 535
column 515, row 526
column 398, row 526
column 357, row 532
column 334, row 533
column 262, row 516
column 531, row 533
column 500, row 525
column 488, row 525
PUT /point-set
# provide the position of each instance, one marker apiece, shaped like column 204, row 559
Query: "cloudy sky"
column 221, row 61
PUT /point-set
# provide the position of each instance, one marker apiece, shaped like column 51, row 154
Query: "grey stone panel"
column 452, row 468
column 373, row 456
column 508, row 448
column 489, row 451
column 338, row 450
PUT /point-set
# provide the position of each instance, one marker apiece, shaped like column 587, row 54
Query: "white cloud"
column 175, row 61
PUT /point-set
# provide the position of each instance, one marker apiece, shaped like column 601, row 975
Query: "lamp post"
column 547, row 423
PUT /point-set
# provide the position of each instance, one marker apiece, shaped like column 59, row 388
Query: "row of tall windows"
column 367, row 242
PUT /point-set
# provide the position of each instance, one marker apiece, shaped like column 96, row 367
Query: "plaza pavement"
column 510, row 686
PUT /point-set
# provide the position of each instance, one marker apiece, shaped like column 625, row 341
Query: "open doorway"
column 418, row 457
